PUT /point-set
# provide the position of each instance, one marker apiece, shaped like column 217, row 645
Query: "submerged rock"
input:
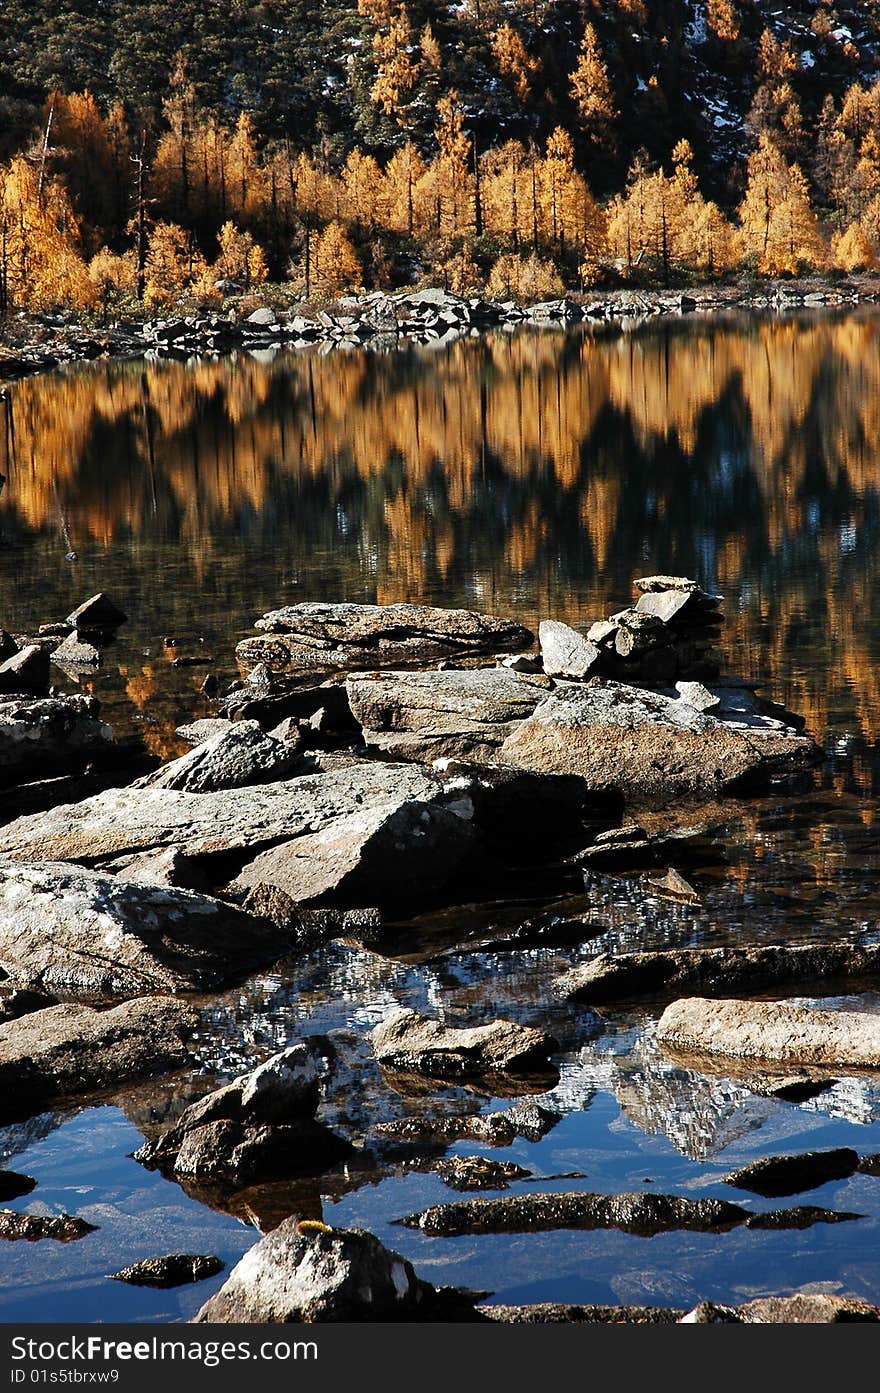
column 406, row 1040
column 64, row 1228
column 260, row 1125
column 717, row 971
column 341, row 637
column 72, row 1049
column 640, row 1214
column 67, row 929
column 802, row 1217
column 479, row 1173
column 652, row 748
column 772, row 1030
column 238, row 756
column 172, row 1270
column 527, row 1119
column 789, row 1175
column 432, row 715
column 312, row 1273
column 49, row 735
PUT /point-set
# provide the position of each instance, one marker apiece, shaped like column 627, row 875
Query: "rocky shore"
column 373, row 761
column 383, row 321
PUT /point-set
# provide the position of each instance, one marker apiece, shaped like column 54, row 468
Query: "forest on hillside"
column 151, row 151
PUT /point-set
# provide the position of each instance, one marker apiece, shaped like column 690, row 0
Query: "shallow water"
column 531, row 475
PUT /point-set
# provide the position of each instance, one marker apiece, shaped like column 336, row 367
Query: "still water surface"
column 532, row 475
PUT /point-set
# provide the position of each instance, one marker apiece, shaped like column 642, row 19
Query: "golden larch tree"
column 591, row 89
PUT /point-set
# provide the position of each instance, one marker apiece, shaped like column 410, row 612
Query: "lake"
column 531, row 475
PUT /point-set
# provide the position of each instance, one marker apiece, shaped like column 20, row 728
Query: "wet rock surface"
column 64, row 1228
column 479, row 1173
column 407, row 1041
column 341, row 637
column 74, row 1049
column 528, row 1120
column 171, row 1270
column 641, row 1214
column 774, row 1031
column 802, row 1217
column 71, row 930
column 718, row 971
column 319, row 1274
column 13, row 1185
column 789, row 1175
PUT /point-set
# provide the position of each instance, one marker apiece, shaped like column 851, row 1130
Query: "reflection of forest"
column 535, row 472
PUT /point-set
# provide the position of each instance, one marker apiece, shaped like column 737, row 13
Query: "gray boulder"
column 432, row 715
column 73, row 1049
column 63, row 928
column 26, row 671
column 772, row 1030
column 565, row 652
column 340, row 637
column 237, row 756
column 308, row 1273
column 405, row 1040
column 75, row 652
column 652, row 748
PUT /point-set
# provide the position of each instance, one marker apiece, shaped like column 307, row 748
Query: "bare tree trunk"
column 44, row 153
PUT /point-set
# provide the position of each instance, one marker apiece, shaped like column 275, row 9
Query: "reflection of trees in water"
column 532, row 472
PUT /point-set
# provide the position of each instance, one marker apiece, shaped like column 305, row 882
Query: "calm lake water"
column 532, row 475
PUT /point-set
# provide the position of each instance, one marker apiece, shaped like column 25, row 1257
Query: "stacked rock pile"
column 669, row 634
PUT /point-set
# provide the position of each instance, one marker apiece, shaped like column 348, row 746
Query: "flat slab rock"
column 772, row 1030
column 406, row 1040
column 790, row 1175
column 312, row 1273
column 642, row 1214
column 434, row 715
column 238, row 756
column 651, row 747
column 66, row 929
column 327, row 637
column 74, row 1049
column 30, row 1228
column 50, row 734
column 716, row 971
column 206, row 829
column 171, row 1270
column 256, row 1127
column 565, row 652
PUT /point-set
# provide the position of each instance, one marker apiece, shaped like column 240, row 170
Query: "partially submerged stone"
column 405, row 1040
column 73, row 1049
column 804, row 1216
column 341, row 637
column 13, row 1185
column 479, row 1173
column 773, row 1176
column 67, row 929
column 238, row 756
column 718, row 971
column 527, row 1119
column 171, row 1270
column 75, row 652
column 302, row 1273
column 26, row 671
column 259, row 1126
column 50, row 735
column 652, row 748
column 64, row 1228
column 97, row 613
column 772, row 1030
column 642, row 1214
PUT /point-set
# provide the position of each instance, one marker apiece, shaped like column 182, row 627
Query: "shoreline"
column 34, row 344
